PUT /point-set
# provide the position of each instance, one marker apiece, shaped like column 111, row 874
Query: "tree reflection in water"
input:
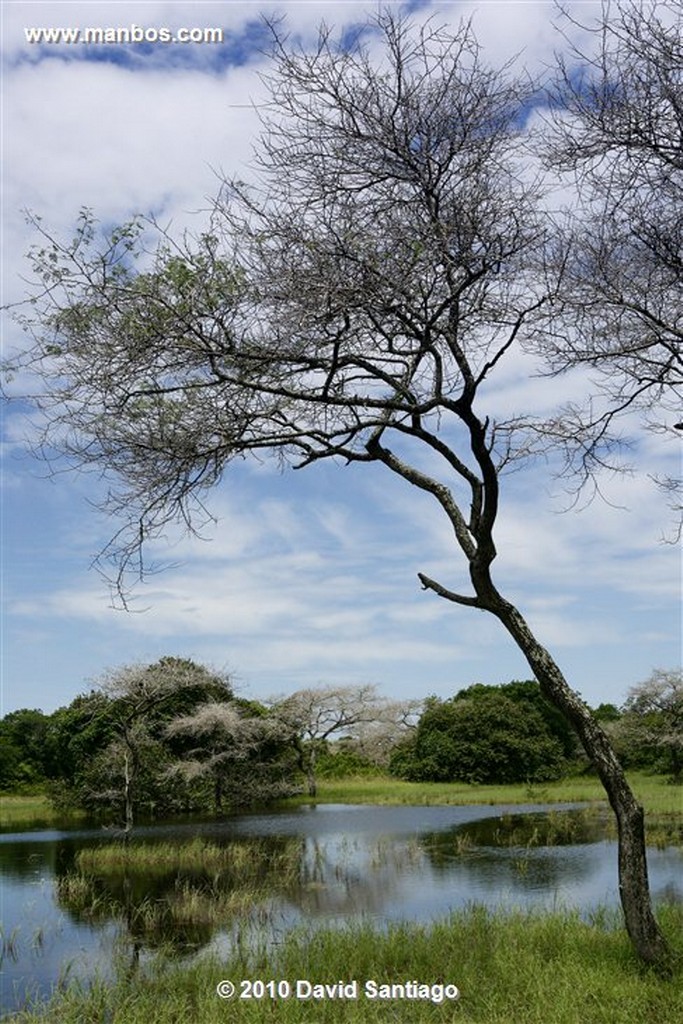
column 177, row 896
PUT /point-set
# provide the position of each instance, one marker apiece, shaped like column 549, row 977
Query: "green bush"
column 486, row 735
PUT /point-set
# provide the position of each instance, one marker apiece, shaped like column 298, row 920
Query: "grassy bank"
column 663, row 802
column 657, row 795
column 29, row 811
column 539, row 969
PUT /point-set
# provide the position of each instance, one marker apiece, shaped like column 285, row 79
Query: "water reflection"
column 210, row 885
column 177, row 896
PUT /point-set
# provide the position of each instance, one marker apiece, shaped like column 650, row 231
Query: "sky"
column 304, row 578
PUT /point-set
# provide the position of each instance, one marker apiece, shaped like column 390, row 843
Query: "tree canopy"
column 615, row 133
column 487, row 734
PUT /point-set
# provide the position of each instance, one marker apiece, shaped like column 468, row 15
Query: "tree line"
column 173, row 737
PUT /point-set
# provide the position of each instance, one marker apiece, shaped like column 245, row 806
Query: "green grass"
column 522, row 967
column 31, row 811
column 15, row 810
column 657, row 795
column 662, row 801
column 197, row 855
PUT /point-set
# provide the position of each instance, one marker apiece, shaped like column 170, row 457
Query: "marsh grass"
column 8, row 944
column 199, row 856
column 31, row 811
column 76, row 892
column 528, row 967
column 552, row 828
column 177, row 893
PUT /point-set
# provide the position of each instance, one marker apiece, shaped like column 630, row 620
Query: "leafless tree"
column 616, row 135
column 395, row 720
column 318, row 714
column 653, row 718
column 241, row 754
column 138, row 691
column 355, row 303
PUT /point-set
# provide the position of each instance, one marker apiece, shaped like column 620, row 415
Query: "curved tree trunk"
column 634, row 890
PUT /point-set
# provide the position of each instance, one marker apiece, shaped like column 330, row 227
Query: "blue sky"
column 307, row 577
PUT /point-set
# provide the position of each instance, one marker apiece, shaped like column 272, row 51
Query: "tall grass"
column 522, row 967
column 162, row 889
column 197, row 856
column 30, row 811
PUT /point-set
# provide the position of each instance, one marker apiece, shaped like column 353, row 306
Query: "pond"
column 254, row 876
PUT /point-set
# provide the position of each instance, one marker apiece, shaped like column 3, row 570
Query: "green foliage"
column 527, row 694
column 99, row 787
column 339, row 761
column 112, row 751
column 24, row 752
column 78, row 732
column 487, row 734
column 607, row 713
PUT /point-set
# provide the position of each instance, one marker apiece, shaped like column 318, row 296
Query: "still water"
column 325, row 864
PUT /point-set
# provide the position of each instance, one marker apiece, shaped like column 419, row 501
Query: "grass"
column 535, row 968
column 31, row 811
column 17, row 810
column 653, row 790
column 164, row 889
column 196, row 856
column 662, row 801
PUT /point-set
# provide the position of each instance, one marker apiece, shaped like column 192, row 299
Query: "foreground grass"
column 531, row 968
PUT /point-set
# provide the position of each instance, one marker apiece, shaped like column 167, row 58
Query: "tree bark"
column 310, row 771
column 218, row 794
column 128, row 798
column 634, row 889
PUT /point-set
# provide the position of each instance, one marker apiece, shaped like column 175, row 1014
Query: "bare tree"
column 394, row 722
column 653, row 719
column 316, row 715
column 354, row 303
column 616, row 134
column 138, row 692
column 241, row 754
